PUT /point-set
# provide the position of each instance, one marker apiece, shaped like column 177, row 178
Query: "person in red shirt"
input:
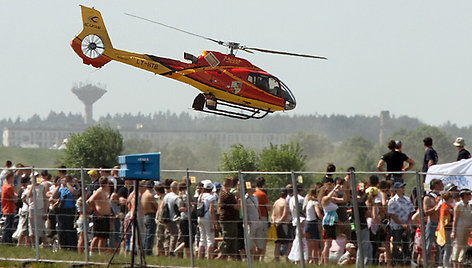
column 8, row 199
column 263, row 227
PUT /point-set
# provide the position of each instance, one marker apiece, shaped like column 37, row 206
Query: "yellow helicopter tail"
column 93, row 44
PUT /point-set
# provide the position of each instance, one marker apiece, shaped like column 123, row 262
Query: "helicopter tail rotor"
column 93, row 44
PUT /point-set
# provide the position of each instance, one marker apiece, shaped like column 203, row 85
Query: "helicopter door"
column 266, row 83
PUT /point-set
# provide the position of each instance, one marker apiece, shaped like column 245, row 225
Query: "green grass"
column 41, row 158
column 46, row 254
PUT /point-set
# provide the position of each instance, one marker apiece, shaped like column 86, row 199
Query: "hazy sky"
column 410, row 57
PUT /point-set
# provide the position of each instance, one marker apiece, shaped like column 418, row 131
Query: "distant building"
column 54, row 138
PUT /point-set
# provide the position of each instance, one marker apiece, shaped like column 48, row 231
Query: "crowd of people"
column 210, row 222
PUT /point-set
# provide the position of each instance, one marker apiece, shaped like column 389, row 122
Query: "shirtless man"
column 431, row 206
column 99, row 204
column 281, row 219
column 149, row 207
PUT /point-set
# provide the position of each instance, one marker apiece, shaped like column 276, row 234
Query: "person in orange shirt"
column 263, row 226
column 8, row 199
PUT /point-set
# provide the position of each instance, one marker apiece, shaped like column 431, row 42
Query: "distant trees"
column 94, row 147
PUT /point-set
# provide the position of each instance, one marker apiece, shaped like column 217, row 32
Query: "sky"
column 412, row 58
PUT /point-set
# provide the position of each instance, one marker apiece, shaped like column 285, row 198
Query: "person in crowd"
column 295, row 251
column 395, row 162
column 382, row 233
column 161, row 193
column 107, row 174
column 8, row 199
column 312, row 228
column 80, row 226
column 120, row 183
column 206, row 222
column 431, row 206
column 281, row 219
column 93, row 185
column 66, row 194
column 99, row 205
column 185, row 233
column 262, row 229
column 373, row 220
column 6, row 168
column 329, row 175
column 344, row 225
column 349, row 257
column 443, row 232
column 363, row 237
column 22, row 228
column 170, row 200
column 38, row 210
column 229, row 215
column 461, row 228
column 430, row 155
column 149, row 207
column 337, row 249
column 460, row 145
column 327, row 199
column 400, row 210
column 253, row 218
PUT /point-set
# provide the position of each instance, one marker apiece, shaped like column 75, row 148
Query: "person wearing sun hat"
column 463, row 153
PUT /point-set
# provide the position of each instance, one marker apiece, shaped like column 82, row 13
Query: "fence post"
column 190, row 223
column 35, row 213
column 297, row 216
column 84, row 211
column 245, row 222
column 420, row 191
column 357, row 220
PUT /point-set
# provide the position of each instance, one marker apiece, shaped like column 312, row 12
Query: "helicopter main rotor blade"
column 283, row 53
column 177, row 29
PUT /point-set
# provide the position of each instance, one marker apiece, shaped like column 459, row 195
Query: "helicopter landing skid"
column 209, row 104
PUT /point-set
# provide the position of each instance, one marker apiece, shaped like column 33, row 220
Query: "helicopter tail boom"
column 93, row 44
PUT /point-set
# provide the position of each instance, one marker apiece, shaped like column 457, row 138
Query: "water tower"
column 88, row 94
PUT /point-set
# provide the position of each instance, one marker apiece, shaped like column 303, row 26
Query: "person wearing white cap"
column 463, row 153
column 207, row 220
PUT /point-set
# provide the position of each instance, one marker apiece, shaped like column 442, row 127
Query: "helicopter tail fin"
column 93, row 44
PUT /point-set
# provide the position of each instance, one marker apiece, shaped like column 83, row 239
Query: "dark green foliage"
column 239, row 158
column 94, row 147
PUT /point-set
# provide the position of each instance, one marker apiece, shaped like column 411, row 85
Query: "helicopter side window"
column 266, row 83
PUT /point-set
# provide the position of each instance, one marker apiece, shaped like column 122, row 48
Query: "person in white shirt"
column 206, row 224
column 313, row 214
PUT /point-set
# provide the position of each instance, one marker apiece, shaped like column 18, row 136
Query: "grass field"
column 40, row 158
column 119, row 260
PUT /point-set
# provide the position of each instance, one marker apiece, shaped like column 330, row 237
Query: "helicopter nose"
column 290, row 104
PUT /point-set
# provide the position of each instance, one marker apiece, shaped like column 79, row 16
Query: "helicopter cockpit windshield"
column 290, row 102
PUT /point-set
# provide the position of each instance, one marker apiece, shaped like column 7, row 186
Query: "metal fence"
column 304, row 234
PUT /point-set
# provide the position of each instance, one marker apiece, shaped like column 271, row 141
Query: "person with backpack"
column 206, row 220
column 167, row 217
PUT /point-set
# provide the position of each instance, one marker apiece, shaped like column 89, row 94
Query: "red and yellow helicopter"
column 231, row 86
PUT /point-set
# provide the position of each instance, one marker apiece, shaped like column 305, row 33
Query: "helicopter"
column 230, row 86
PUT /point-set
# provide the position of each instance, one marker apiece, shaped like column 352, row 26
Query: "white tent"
column 459, row 173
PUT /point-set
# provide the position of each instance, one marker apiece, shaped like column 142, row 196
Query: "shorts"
column 312, row 230
column 23, row 223
column 262, row 232
column 329, row 232
column 80, row 225
column 284, row 233
column 101, row 226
